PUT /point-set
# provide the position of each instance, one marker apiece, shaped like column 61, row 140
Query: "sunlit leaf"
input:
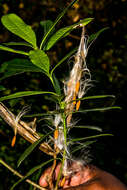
column 56, row 21
column 18, row 27
column 25, row 93
column 65, row 31
column 29, row 150
column 40, row 59
column 4, row 48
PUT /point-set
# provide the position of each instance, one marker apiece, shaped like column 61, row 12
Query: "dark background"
column 107, row 60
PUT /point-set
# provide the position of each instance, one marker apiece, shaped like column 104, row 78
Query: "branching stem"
column 19, row 175
column 64, row 151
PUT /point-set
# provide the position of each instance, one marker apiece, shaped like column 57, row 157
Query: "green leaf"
column 88, row 127
column 2, row 88
column 90, row 137
column 64, row 59
column 4, row 48
column 94, row 36
column 65, row 31
column 52, row 98
column 17, row 66
column 25, row 93
column 97, row 109
column 79, row 147
column 42, row 114
column 56, row 21
column 56, row 85
column 18, row 27
column 96, row 97
column 33, row 170
column 28, row 151
column 47, row 24
column 18, row 44
column 40, row 59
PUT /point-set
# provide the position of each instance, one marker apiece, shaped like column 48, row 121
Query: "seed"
column 74, row 98
column 13, row 141
column 62, row 182
column 77, row 87
column 78, row 105
column 56, row 134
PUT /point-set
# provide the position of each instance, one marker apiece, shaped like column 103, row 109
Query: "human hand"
column 86, row 178
column 80, row 176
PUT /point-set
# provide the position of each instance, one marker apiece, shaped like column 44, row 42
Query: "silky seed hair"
column 11, row 119
column 23, row 111
column 80, row 78
column 75, row 87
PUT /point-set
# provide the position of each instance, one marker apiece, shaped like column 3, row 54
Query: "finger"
column 43, row 179
column 73, row 180
column 79, row 178
column 57, row 170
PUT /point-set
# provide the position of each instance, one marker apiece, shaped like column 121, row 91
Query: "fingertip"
column 57, row 170
column 42, row 182
column 43, row 178
column 76, row 179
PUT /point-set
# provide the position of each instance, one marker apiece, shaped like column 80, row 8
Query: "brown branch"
column 23, row 129
column 20, row 176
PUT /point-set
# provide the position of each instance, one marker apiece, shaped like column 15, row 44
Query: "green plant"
column 68, row 102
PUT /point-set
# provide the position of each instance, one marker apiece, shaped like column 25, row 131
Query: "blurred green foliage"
column 107, row 60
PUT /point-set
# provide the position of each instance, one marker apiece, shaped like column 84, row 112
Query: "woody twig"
column 23, row 129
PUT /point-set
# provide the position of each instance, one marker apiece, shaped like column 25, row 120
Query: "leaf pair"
column 18, row 27
column 52, row 26
column 37, row 56
column 63, row 32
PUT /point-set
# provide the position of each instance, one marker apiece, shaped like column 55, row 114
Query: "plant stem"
column 65, row 131
column 53, row 84
column 50, row 76
column 64, row 152
column 20, row 176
